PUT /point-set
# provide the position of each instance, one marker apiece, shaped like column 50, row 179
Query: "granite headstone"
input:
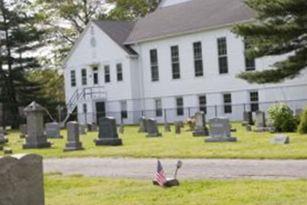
column 108, row 133
column 200, row 125
column 35, row 127
column 152, row 128
column 220, row 131
column 167, row 127
column 177, row 128
column 260, row 119
column 82, row 129
column 73, row 137
column 280, row 139
column 143, row 125
column 248, row 118
column 53, row 130
column 22, row 180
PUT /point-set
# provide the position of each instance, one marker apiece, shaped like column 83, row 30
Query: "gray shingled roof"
column 118, row 31
column 190, row 16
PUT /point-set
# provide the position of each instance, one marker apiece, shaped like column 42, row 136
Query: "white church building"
column 176, row 61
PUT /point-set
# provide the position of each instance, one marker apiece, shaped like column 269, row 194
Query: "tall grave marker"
column 200, row 125
column 35, row 127
column 73, row 137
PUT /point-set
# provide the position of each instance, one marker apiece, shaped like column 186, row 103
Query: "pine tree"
column 280, row 29
column 19, row 37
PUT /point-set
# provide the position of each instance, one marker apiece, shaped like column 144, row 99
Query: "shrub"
column 281, row 116
column 302, row 128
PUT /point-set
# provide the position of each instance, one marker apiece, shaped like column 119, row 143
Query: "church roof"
column 188, row 17
column 118, row 31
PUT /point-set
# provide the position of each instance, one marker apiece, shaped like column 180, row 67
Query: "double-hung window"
column 158, row 106
column 179, row 106
column 95, row 76
column 175, row 62
column 254, row 101
column 227, row 103
column 84, row 76
column 73, row 81
column 198, row 59
column 222, row 55
column 124, row 112
column 154, row 65
column 107, row 74
column 250, row 64
column 119, row 70
column 203, row 103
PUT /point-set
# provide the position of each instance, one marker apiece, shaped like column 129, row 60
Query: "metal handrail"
column 80, row 94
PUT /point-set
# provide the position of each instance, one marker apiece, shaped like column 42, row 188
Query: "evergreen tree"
column 280, row 28
column 19, row 37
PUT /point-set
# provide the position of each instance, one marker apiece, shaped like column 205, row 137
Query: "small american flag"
column 160, row 175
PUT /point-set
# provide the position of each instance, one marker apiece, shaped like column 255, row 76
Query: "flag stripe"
column 160, row 175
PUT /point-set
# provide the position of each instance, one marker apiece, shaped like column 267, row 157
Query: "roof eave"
column 187, row 32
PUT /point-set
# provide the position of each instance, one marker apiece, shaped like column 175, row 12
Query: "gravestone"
column 92, row 127
column 260, row 123
column 167, row 127
column 121, row 129
column 200, row 125
column 220, row 131
column 280, row 139
column 260, row 119
column 143, row 125
column 53, row 130
column 152, row 128
column 108, row 132
column 3, row 131
column 35, row 127
column 73, row 137
column 22, row 180
column 3, row 138
column 177, row 128
column 248, row 128
column 82, row 129
column 7, row 150
column 181, row 124
column 23, row 130
column 248, row 118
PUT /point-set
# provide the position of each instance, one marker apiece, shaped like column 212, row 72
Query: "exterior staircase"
column 83, row 94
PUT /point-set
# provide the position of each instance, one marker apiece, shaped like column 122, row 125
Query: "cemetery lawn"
column 72, row 190
column 250, row 145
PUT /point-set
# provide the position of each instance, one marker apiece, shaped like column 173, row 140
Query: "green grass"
column 250, row 146
column 75, row 190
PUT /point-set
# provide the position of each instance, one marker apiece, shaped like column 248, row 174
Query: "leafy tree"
column 52, row 84
column 302, row 129
column 52, row 93
column 282, row 118
column 131, row 9
column 280, row 28
column 65, row 20
column 19, row 37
